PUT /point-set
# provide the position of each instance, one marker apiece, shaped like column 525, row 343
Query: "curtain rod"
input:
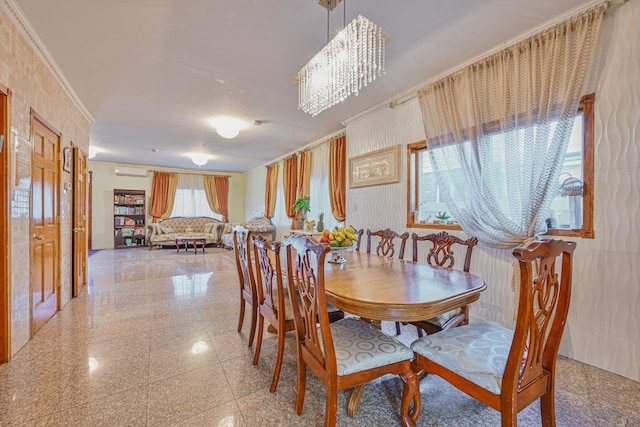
column 406, row 98
column 195, row 174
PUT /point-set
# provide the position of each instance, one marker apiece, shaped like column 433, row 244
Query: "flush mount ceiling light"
column 199, row 159
column 228, row 127
column 353, row 59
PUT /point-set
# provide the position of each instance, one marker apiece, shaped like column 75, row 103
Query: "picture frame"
column 66, row 159
column 375, row 168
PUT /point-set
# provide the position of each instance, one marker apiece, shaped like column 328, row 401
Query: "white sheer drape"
column 191, row 199
column 280, row 218
column 497, row 131
column 319, row 188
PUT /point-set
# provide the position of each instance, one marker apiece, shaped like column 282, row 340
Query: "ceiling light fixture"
column 353, row 59
column 199, row 159
column 227, row 127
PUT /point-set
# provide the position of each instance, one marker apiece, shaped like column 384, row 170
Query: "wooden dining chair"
column 241, row 247
column 343, row 354
column 274, row 304
column 509, row 369
column 386, row 247
column 442, row 254
column 359, row 233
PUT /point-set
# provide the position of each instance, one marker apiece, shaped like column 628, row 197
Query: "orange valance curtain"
column 290, row 177
column 304, row 174
column 163, row 194
column 217, row 190
column 338, row 177
column 270, row 190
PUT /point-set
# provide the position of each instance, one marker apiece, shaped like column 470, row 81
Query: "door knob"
column 76, row 230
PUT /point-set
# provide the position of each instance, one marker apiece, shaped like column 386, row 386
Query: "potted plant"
column 300, row 209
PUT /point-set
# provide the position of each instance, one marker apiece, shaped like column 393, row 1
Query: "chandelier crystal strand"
column 353, row 59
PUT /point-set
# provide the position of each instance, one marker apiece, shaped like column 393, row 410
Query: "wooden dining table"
column 379, row 288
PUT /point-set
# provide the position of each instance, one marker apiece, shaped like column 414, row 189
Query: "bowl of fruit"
column 340, row 239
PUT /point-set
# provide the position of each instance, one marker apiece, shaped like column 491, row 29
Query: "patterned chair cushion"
column 359, row 346
column 444, row 318
column 477, row 352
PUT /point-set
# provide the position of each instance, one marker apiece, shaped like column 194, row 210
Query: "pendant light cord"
column 344, row 14
column 328, row 11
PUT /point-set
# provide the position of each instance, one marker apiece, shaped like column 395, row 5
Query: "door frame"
column 59, row 183
column 89, row 208
column 5, row 228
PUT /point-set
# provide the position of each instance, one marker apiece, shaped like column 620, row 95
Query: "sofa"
column 257, row 225
column 165, row 231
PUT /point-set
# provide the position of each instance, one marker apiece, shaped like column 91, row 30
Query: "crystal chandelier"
column 353, row 59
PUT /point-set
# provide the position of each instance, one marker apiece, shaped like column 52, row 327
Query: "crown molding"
column 19, row 19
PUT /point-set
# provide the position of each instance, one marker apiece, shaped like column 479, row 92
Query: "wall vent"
column 131, row 172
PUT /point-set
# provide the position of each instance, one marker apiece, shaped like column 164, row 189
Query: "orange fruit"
column 325, row 233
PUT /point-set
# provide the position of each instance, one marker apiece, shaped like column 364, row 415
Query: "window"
column 571, row 212
column 191, row 199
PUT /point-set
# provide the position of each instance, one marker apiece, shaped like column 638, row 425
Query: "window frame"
column 588, row 111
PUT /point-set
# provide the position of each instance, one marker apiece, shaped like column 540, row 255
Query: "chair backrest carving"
column 305, row 269
column 359, row 233
column 269, row 283
column 542, row 311
column 441, row 253
column 386, row 246
column 241, row 247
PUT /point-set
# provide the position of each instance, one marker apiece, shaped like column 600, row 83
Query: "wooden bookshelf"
column 128, row 218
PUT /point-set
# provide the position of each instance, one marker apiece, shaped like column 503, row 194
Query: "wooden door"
column 79, row 221
column 44, row 229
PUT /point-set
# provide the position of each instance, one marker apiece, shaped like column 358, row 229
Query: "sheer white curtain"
column 319, row 186
column 497, row 131
column 191, row 199
column 280, row 218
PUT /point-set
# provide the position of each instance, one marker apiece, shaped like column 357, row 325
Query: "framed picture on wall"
column 66, row 159
column 375, row 168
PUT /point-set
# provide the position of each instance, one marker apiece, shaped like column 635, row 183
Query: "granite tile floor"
column 152, row 341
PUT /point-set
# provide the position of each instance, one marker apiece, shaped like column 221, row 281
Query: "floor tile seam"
column 150, row 383
column 69, row 378
column 235, row 397
column 95, row 397
column 177, row 422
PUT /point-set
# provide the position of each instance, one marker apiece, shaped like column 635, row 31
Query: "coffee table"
column 194, row 240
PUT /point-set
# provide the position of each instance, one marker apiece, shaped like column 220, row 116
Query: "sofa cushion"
column 260, row 225
column 165, row 230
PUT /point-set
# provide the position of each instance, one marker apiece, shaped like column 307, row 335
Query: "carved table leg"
column 354, row 400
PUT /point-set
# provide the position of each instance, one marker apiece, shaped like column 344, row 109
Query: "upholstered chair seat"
column 360, row 347
column 477, row 352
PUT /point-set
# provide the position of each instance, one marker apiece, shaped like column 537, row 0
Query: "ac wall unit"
column 131, row 172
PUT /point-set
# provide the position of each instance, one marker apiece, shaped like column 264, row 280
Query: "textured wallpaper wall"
column 604, row 320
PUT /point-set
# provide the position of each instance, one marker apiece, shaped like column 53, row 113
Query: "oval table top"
column 380, row 288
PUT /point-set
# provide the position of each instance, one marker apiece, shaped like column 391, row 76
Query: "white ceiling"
column 152, row 72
